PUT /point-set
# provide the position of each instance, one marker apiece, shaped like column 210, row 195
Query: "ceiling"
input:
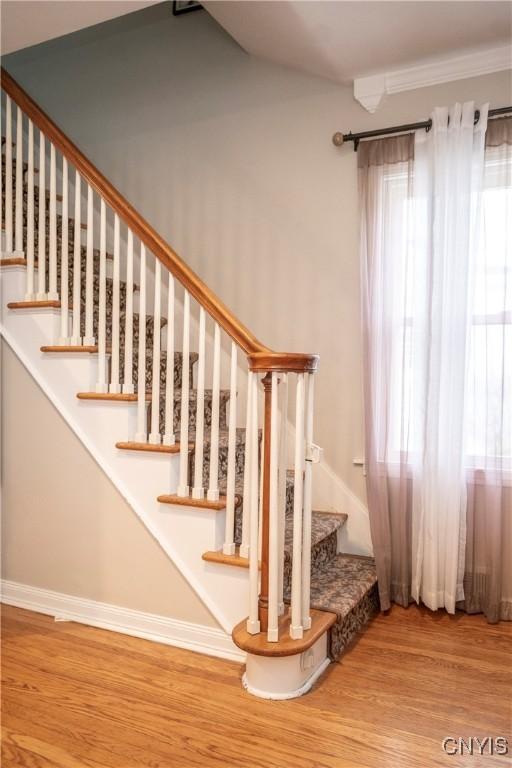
column 345, row 40
column 27, row 22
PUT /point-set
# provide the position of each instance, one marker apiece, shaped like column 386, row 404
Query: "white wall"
column 230, row 158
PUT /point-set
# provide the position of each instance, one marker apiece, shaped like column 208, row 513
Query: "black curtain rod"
column 341, row 138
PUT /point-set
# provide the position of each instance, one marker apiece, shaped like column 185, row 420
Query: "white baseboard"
column 159, row 629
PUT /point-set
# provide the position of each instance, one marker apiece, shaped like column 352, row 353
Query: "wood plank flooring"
column 75, row 696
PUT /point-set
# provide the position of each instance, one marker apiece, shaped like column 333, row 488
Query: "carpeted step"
column 25, row 169
column 150, row 324
column 324, row 533
column 324, row 541
column 178, row 367
column 223, row 458
column 208, row 399
column 347, row 586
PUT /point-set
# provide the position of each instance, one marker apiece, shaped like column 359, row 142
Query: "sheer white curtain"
column 448, row 179
column 426, row 397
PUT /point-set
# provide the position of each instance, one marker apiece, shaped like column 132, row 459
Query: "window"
column 488, row 407
column 489, row 391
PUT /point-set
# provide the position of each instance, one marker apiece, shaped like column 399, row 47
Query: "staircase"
column 125, row 339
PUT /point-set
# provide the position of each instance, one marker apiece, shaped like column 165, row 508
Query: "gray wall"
column 230, row 159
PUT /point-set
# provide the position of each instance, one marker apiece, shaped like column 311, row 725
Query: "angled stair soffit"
column 380, row 48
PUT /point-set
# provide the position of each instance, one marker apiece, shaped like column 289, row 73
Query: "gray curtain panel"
column 386, row 190
column 488, row 568
column 385, row 187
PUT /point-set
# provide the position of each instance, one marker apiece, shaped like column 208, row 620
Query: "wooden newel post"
column 265, row 505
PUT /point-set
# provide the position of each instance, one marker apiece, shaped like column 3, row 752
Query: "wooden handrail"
column 258, row 354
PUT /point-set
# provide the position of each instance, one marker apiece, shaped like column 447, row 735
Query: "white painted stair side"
column 184, row 533
column 286, row 677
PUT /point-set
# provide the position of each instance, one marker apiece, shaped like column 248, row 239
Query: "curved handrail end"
column 283, row 362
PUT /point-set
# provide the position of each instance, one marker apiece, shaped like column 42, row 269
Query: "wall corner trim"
column 369, row 91
column 161, row 629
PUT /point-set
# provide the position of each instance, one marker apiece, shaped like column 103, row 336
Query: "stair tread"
column 187, row 501
column 323, row 524
column 342, row 583
column 259, row 645
column 69, row 348
column 148, row 447
column 35, row 304
column 218, row 556
column 13, row 261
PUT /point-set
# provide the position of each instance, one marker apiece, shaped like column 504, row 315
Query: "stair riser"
column 71, row 229
column 239, row 511
column 108, row 331
column 193, row 413
column 344, row 631
column 223, row 464
column 321, row 554
column 178, row 368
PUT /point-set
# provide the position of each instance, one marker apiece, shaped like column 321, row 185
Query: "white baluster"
column 154, row 436
column 244, row 546
column 296, row 629
column 169, row 437
column 19, row 184
column 102, row 385
column 30, row 294
column 229, row 538
column 274, row 551
column 115, row 386
column 306, row 532
column 197, row 490
column 253, row 624
column 2, row 223
column 213, row 485
column 260, row 497
column 64, row 259
column 89, row 339
column 128, row 387
column 8, row 177
column 183, row 487
column 77, row 265
column 283, row 467
column 52, row 253
column 141, row 434
column 41, row 234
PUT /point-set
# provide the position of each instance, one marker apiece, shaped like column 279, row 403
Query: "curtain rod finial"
column 338, row 139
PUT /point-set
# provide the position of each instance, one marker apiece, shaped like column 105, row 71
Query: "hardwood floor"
column 76, row 696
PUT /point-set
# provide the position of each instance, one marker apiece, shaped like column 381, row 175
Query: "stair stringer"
column 183, row 533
